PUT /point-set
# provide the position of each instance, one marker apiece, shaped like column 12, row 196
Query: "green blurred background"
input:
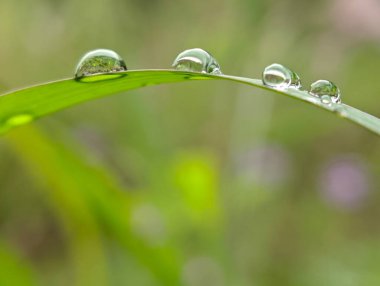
column 199, row 183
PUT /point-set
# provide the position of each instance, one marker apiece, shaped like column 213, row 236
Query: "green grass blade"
column 24, row 105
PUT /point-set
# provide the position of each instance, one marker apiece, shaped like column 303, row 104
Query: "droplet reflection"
column 101, row 62
column 324, row 89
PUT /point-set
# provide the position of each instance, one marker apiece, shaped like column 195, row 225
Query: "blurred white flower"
column 148, row 222
column 202, row 271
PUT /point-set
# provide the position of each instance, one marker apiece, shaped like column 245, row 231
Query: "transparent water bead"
column 196, row 60
column 100, row 62
column 326, row 99
column 279, row 76
column 327, row 91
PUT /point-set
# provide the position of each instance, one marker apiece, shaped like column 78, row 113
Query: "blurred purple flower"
column 345, row 183
column 357, row 18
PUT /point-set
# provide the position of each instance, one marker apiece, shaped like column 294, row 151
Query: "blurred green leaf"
column 22, row 106
column 91, row 203
column 13, row 270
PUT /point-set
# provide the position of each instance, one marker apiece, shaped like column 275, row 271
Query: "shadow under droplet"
column 100, row 77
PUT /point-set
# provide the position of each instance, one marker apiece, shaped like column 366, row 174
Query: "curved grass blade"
column 24, row 105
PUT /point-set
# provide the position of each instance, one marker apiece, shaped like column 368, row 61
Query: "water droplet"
column 19, row 119
column 279, row 76
column 326, row 99
column 99, row 62
column 325, row 89
column 196, row 60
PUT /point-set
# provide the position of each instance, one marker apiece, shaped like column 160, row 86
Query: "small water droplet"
column 325, row 89
column 326, row 99
column 196, row 60
column 279, row 76
column 99, row 62
column 19, row 119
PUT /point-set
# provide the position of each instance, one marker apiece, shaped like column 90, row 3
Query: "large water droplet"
column 325, row 89
column 196, row 60
column 99, row 62
column 281, row 77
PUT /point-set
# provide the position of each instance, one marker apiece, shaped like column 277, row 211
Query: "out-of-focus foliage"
column 195, row 184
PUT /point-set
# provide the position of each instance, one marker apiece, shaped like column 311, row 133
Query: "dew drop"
column 196, row 60
column 326, row 99
column 279, row 76
column 327, row 91
column 101, row 63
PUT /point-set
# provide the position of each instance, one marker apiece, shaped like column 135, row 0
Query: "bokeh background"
column 199, row 183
